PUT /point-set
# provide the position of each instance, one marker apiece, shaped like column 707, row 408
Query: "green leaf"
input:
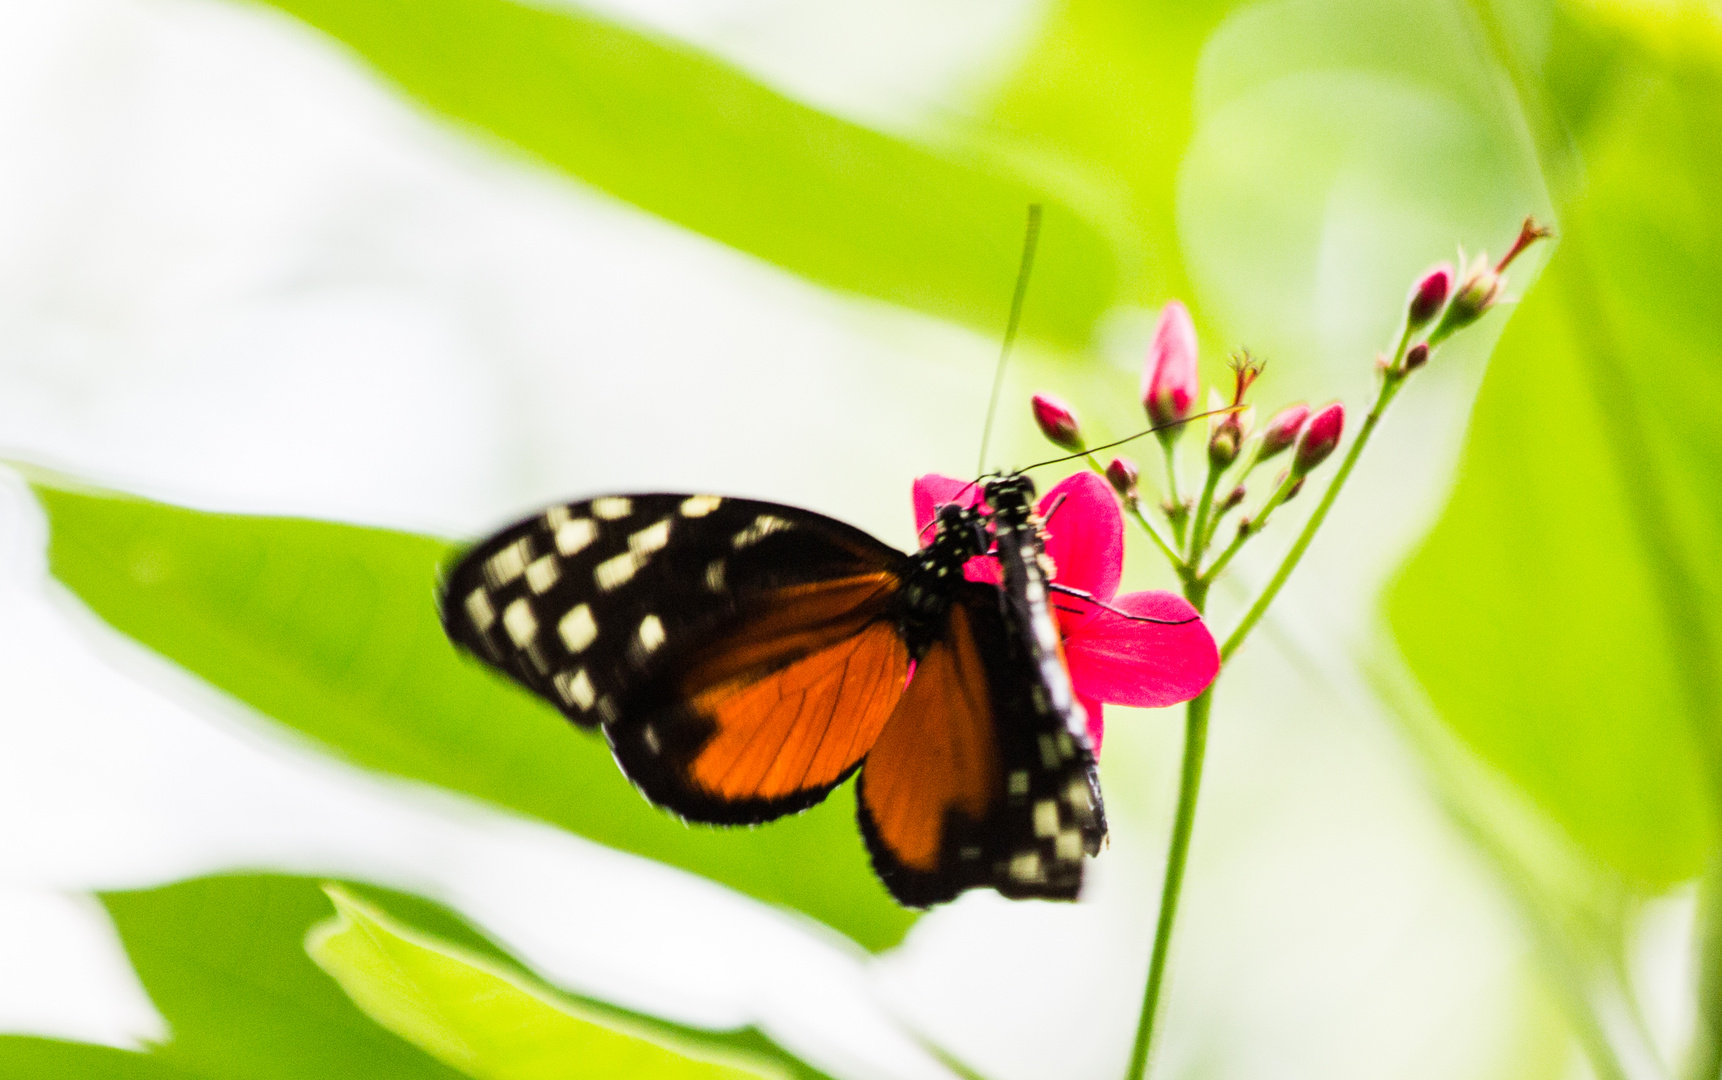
column 1564, row 613
column 332, row 630
column 28, row 1058
column 703, row 145
column 473, row 1016
column 223, row 959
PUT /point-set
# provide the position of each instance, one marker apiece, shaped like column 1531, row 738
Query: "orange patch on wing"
column 792, row 623
column 797, row 695
column 937, row 753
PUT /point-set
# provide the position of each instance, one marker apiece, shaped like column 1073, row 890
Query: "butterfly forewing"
column 712, row 637
column 984, row 777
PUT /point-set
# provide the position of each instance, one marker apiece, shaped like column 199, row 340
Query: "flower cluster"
column 1115, row 660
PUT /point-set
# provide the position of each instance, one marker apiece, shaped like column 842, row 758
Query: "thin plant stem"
column 1204, row 506
column 1256, row 524
column 1705, row 1061
column 1389, row 386
column 1133, row 505
column 1174, row 503
column 1200, row 708
column 1189, row 784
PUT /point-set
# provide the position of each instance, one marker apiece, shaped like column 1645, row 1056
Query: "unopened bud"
column 1245, row 525
column 1169, row 376
column 1430, row 296
column 1223, row 445
column 1282, row 430
column 1416, row 356
column 1057, row 421
column 1320, row 436
column 1232, row 500
column 1291, row 492
column 1123, row 474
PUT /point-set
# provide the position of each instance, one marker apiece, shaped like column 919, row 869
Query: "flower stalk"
column 1435, row 302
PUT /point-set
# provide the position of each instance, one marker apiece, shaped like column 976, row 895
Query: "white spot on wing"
column 578, row 628
column 509, row 563
column 574, row 534
column 763, row 526
column 521, row 624
column 478, row 609
column 1026, row 866
column 650, row 539
column 1018, row 783
column 1069, row 845
column 651, row 633
column 555, row 516
column 577, row 689
column 714, row 576
column 700, row 505
column 1048, row 751
column 1046, row 818
column 649, row 736
column 612, row 508
column 542, row 573
column 616, row 571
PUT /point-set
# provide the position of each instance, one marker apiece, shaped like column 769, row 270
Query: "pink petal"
column 1096, row 721
column 933, row 491
column 1144, row 664
column 1085, row 535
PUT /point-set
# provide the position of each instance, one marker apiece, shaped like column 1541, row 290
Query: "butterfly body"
column 744, row 658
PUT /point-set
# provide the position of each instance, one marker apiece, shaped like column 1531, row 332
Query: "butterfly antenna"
column 1131, row 438
column 1030, row 239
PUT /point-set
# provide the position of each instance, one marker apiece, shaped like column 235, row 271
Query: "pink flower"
column 1057, row 421
column 1282, row 430
column 1169, row 377
column 1111, row 658
column 1430, row 295
column 1320, row 437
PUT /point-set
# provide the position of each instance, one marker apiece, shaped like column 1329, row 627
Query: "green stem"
column 1256, row 524
column 1133, row 505
column 1705, row 1062
column 1204, row 506
column 1389, row 386
column 1174, row 502
column 1189, row 783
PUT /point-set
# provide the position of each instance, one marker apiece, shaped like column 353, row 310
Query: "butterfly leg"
column 1082, row 594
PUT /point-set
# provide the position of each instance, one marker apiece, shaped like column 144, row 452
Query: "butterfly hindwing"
column 973, row 783
column 737, row 653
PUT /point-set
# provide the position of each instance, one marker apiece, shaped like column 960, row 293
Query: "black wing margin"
column 622, row 610
column 978, row 780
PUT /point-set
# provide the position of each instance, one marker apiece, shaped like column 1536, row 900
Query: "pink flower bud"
column 1430, row 296
column 1236, row 497
column 1057, row 421
column 1169, row 377
column 1123, row 474
column 1320, row 436
column 1417, row 356
column 1282, row 430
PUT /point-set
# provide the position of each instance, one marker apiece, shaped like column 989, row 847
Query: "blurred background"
column 294, row 295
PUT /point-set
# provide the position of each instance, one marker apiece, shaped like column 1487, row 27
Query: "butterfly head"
column 1010, row 495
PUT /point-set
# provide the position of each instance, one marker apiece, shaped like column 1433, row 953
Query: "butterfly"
column 744, row 658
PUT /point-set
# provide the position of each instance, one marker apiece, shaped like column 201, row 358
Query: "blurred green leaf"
column 1564, row 613
column 332, row 630
column 28, row 1058
column 223, row 958
column 689, row 138
column 461, row 1010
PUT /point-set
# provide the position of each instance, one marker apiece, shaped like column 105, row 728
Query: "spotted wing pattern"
column 971, row 784
column 739, row 654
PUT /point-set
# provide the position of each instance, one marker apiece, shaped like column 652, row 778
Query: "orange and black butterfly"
column 744, row 658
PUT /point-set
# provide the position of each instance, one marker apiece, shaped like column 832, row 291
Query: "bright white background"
column 237, row 273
